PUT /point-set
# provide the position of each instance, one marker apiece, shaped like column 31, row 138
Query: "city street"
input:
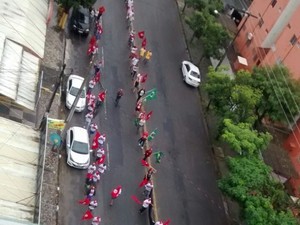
column 185, row 183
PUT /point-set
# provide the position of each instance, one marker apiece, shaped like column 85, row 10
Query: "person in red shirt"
column 115, row 193
column 147, row 153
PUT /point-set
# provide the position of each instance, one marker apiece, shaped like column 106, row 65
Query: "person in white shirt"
column 145, row 205
column 92, row 168
column 159, row 223
column 102, row 167
column 99, row 153
column 96, row 220
column 93, row 204
column 148, row 188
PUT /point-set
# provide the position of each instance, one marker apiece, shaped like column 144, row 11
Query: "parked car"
column 80, row 20
column 78, row 148
column 73, row 85
column 191, row 74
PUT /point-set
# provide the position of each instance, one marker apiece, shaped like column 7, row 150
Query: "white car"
column 78, row 148
column 73, row 85
column 191, row 73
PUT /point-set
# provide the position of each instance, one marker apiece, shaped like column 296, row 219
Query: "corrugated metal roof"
column 24, row 21
column 19, row 148
column 18, row 73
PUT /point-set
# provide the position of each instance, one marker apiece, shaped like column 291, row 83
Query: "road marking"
column 107, row 149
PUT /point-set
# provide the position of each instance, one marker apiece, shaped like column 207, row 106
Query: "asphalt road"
column 185, row 184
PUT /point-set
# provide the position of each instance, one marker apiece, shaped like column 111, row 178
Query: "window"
column 260, row 22
column 273, row 3
column 293, row 40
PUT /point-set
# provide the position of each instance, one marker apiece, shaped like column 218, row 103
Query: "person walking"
column 91, row 192
column 141, row 93
column 148, row 188
column 143, row 139
column 100, row 152
column 102, row 167
column 136, row 83
column 147, row 153
column 138, row 107
column 88, row 119
column 96, row 220
column 115, row 193
column 102, row 139
column 92, row 168
column 145, row 205
column 93, row 204
column 93, row 128
column 120, row 93
column 96, row 177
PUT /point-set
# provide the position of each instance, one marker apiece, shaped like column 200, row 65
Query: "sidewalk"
column 51, row 67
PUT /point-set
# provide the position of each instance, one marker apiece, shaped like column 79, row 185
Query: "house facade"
column 271, row 36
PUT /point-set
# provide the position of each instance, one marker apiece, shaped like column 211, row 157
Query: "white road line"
column 107, row 149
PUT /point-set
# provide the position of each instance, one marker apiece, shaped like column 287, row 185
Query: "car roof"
column 192, row 66
column 76, row 80
column 80, row 134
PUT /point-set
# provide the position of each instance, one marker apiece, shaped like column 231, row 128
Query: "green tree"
column 213, row 39
column 280, row 93
column 243, row 139
column 249, row 182
column 196, row 4
column 218, row 87
column 243, row 101
column 197, row 22
column 68, row 4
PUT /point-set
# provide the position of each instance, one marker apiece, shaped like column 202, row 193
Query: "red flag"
column 101, row 160
column 95, row 145
column 149, row 115
column 144, row 78
column 141, row 34
column 97, row 77
column 93, row 41
column 144, row 181
column 101, row 9
column 87, row 216
column 102, row 96
column 97, row 135
column 145, row 163
column 144, row 43
column 85, row 201
column 167, row 222
column 134, row 198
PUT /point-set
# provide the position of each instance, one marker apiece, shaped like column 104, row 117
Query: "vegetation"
column 243, row 139
column 267, row 93
column 263, row 200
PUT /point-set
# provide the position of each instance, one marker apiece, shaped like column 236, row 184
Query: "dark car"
column 80, row 20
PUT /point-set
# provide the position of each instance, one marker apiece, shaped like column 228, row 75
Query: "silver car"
column 73, row 85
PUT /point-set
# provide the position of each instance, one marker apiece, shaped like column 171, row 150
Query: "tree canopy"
column 243, row 139
column 280, row 93
column 264, row 200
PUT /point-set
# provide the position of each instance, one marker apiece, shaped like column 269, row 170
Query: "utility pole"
column 236, row 35
column 57, row 84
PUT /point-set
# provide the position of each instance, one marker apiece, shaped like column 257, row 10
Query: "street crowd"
column 139, row 56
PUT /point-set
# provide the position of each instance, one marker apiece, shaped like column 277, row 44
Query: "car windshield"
column 194, row 74
column 80, row 147
column 74, row 92
column 83, row 18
